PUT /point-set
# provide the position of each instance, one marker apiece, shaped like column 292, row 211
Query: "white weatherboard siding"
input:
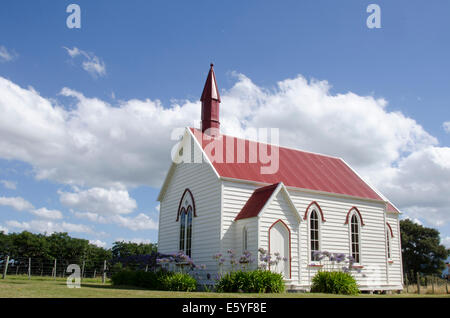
column 279, row 209
column 234, row 198
column 335, row 235
column 206, row 190
column 395, row 267
column 251, row 224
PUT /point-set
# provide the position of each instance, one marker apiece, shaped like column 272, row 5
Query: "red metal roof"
column 256, row 202
column 297, row 168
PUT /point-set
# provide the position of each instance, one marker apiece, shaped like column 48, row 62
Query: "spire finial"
column 210, row 104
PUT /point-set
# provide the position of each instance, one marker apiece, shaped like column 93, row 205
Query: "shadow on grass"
column 112, row 287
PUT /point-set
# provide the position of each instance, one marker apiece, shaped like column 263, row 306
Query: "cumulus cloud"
column 47, row 214
column 11, row 185
column 446, row 241
column 98, row 145
column 91, row 63
column 7, row 55
column 99, row 201
column 98, row 243
column 134, row 240
column 49, row 227
column 446, row 126
column 17, row 203
column 139, row 222
column 4, row 230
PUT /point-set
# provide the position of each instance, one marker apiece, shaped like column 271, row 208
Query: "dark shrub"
column 256, row 281
column 334, row 283
column 160, row 280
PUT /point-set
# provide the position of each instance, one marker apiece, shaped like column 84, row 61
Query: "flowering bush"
column 336, row 261
column 335, row 277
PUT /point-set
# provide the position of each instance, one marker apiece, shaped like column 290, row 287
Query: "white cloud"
column 140, row 222
column 6, row 55
column 99, row 201
column 47, row 214
column 446, row 241
column 137, row 223
column 134, row 240
column 98, row 243
column 98, row 145
column 91, row 64
column 41, row 226
column 4, row 230
column 17, row 203
column 9, row 184
column 446, row 126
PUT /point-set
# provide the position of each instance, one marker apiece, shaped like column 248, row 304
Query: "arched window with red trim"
column 186, row 211
column 355, row 235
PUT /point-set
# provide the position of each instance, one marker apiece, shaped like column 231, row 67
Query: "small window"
column 355, row 238
column 388, row 243
column 182, row 229
column 188, row 231
column 314, row 234
column 186, row 212
column 244, row 240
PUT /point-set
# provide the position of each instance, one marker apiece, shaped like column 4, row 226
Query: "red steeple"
column 210, row 105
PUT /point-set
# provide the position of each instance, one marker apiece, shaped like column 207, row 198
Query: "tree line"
column 61, row 246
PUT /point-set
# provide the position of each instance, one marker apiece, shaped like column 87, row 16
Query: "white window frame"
column 358, row 219
column 319, row 224
column 244, row 239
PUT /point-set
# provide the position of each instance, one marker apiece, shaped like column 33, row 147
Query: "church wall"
column 395, row 266
column 279, row 209
column 335, row 234
column 206, row 190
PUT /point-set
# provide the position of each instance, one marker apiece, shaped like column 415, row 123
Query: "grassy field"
column 21, row 286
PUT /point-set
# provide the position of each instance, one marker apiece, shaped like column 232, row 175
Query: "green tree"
column 125, row 249
column 421, row 249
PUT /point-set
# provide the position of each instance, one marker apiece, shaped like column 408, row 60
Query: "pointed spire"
column 210, row 90
column 210, row 105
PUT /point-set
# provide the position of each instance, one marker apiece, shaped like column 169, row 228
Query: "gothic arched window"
column 186, row 211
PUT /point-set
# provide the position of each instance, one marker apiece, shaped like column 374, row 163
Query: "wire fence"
column 417, row 283
column 56, row 268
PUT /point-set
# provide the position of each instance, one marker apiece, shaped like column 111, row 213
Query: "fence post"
column 146, row 268
column 446, row 285
column 5, row 270
column 418, row 283
column 82, row 270
column 433, row 281
column 54, row 270
column 95, row 272
column 104, row 272
column 29, row 268
column 406, row 283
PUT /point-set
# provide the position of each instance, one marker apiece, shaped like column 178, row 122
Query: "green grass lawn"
column 21, row 286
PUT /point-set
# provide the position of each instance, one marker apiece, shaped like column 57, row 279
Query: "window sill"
column 390, row 261
column 315, row 265
column 357, row 266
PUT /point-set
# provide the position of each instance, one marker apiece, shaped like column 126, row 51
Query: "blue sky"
column 161, row 51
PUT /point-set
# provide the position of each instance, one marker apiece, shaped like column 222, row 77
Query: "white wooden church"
column 215, row 200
